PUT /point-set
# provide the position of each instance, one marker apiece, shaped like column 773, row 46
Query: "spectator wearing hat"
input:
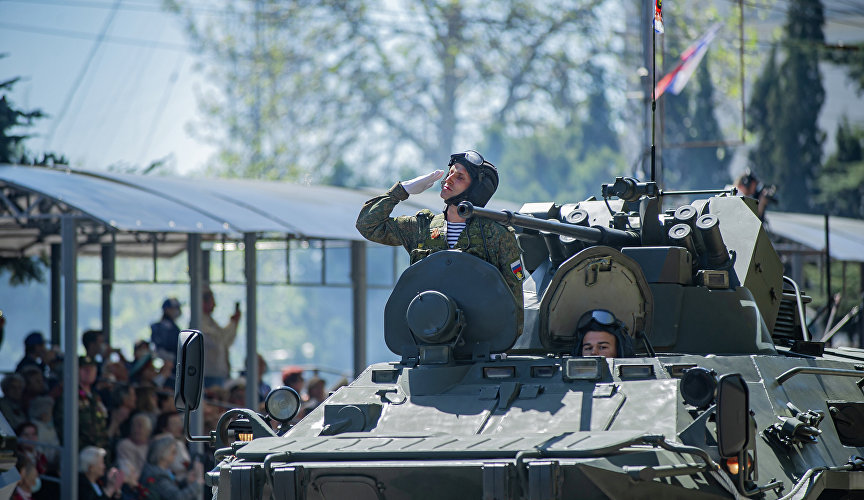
column 92, row 414
column 35, row 353
column 164, row 333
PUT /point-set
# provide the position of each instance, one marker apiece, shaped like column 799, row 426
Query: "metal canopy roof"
column 126, row 207
column 846, row 235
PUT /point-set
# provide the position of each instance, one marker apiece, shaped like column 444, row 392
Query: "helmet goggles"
column 471, row 157
column 600, row 316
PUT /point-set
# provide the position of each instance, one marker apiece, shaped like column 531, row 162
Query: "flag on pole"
column 675, row 80
column 658, row 17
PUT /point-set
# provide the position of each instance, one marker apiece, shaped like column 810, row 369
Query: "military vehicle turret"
column 725, row 395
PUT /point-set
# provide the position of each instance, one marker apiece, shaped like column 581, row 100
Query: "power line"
column 779, row 9
column 160, row 109
column 90, row 36
column 388, row 17
column 93, row 4
column 80, row 77
column 124, row 95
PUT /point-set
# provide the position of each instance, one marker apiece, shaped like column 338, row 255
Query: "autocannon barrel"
column 595, row 234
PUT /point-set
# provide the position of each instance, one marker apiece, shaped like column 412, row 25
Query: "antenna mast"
column 658, row 27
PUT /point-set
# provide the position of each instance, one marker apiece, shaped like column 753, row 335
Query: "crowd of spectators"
column 131, row 437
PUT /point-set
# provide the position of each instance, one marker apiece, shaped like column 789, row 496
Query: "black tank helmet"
column 484, row 178
column 603, row 320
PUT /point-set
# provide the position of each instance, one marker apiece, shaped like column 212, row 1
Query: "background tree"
column 550, row 164
column 308, row 85
column 13, row 123
column 712, row 160
column 692, row 142
column 852, row 57
column 784, row 109
column 698, row 160
column 841, row 181
column 562, row 163
column 698, row 129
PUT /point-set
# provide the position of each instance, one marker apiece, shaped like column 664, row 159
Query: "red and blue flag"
column 658, row 17
column 675, row 80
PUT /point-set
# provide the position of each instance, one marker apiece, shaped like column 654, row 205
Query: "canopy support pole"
column 196, row 289
column 358, row 292
column 69, row 468
column 56, row 292
column 250, row 255
column 108, row 256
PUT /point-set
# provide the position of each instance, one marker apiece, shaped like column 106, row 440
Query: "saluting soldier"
column 469, row 178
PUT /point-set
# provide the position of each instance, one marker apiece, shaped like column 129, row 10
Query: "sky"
column 119, row 85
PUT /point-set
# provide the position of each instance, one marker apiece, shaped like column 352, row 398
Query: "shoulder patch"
column 516, row 267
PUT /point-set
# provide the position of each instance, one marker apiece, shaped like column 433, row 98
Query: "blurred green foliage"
column 784, row 109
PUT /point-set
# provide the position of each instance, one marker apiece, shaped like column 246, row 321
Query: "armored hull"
column 726, row 395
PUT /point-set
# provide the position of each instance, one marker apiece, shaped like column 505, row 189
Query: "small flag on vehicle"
column 658, row 17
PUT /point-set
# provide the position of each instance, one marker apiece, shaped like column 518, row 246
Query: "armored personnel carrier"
column 724, row 396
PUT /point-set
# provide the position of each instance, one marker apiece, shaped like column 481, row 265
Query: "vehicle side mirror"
column 189, row 377
column 733, row 415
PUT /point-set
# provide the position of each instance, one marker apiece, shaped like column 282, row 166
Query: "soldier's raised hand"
column 419, row 184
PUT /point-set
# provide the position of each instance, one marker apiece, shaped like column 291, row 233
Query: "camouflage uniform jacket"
column 425, row 233
column 92, row 421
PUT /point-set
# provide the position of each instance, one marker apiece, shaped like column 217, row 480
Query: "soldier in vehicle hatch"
column 470, row 178
column 600, row 333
